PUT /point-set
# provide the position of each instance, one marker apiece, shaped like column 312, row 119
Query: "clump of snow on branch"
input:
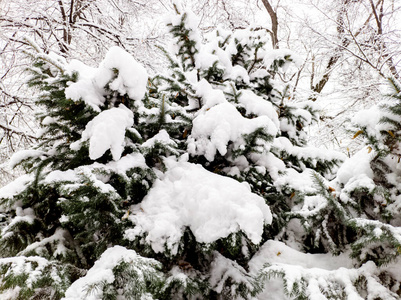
column 107, row 131
column 283, row 57
column 15, row 187
column 26, row 215
column 221, row 124
column 22, row 155
column 90, row 287
column 212, row 206
column 356, row 172
column 86, row 88
column 223, row 270
column 317, row 275
column 32, row 267
column 119, row 71
column 131, row 76
column 368, row 119
column 258, row 106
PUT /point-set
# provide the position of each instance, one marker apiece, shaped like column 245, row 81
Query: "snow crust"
column 212, row 206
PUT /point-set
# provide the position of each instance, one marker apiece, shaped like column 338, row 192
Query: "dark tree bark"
column 274, row 20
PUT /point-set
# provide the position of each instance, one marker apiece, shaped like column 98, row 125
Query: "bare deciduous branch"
column 274, row 20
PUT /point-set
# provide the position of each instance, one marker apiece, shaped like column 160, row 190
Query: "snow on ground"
column 212, row 206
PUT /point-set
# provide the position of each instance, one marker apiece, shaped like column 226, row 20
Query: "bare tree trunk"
column 379, row 22
column 385, row 57
column 318, row 87
column 274, row 20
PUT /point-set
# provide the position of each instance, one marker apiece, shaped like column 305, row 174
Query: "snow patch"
column 22, row 155
column 358, row 164
column 15, row 187
column 102, row 272
column 107, row 131
column 215, row 128
column 212, row 206
column 119, row 70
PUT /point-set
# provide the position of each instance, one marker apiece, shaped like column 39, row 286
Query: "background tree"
column 351, row 55
column 347, row 47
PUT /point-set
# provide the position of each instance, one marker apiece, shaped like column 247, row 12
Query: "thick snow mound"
column 212, row 206
column 119, row 70
column 214, row 129
column 368, row 118
column 107, row 131
column 256, row 105
column 132, row 77
column 355, row 166
column 85, row 88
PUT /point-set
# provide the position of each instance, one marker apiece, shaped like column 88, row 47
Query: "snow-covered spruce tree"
column 369, row 186
column 236, row 70
column 90, row 165
column 356, row 216
column 245, row 126
column 181, row 186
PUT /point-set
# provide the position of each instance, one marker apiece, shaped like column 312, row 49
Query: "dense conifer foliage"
column 197, row 183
